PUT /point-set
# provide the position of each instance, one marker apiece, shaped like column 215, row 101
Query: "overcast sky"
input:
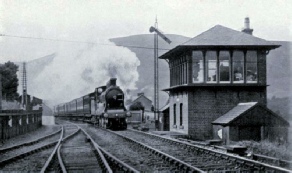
column 86, row 20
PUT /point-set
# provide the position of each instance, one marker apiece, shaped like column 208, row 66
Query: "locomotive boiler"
column 103, row 107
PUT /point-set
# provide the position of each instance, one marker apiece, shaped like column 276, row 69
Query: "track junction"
column 86, row 148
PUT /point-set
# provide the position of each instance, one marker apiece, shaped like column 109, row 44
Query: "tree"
column 137, row 106
column 9, row 80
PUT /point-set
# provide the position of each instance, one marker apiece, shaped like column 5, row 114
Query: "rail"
column 187, row 167
column 30, row 142
column 59, row 148
column 276, row 161
column 238, row 159
column 100, row 155
column 44, row 168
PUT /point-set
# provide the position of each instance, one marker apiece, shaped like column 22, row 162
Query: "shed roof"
column 221, row 36
column 141, row 96
column 234, row 113
column 240, row 110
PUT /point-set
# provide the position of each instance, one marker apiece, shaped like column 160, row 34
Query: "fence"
column 17, row 122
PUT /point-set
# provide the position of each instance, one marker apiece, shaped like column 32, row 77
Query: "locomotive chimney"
column 246, row 28
column 112, row 82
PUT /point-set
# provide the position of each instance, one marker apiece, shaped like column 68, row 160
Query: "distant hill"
column 35, row 67
column 278, row 66
column 279, row 72
column 281, row 106
column 47, row 111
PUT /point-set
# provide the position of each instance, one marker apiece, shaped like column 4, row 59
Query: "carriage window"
column 198, row 67
column 211, row 62
column 224, row 67
column 251, row 67
column 238, row 61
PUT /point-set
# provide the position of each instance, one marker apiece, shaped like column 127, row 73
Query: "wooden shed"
column 250, row 121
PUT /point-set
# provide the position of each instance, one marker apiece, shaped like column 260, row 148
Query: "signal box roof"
column 222, row 37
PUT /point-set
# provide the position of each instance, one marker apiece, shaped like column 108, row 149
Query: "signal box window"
column 181, row 114
column 224, row 67
column 198, row 67
column 174, row 114
column 211, row 63
column 238, row 66
column 251, row 67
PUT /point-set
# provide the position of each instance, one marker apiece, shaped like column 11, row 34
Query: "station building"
column 218, row 87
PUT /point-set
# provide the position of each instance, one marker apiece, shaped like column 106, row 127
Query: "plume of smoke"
column 78, row 69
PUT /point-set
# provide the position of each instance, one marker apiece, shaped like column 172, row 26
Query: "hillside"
column 279, row 73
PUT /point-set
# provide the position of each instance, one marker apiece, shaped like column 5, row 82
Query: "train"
column 103, row 107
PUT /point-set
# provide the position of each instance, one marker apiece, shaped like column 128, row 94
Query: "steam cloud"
column 78, row 69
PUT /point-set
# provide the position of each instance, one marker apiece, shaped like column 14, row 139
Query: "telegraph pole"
column 24, row 87
column 156, row 74
column 0, row 93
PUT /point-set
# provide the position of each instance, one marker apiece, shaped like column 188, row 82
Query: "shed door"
column 249, row 133
column 166, row 121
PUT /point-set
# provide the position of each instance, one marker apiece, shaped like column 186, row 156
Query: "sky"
column 98, row 20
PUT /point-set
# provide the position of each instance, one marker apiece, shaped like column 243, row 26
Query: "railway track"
column 52, row 163
column 19, row 151
column 32, row 156
column 140, row 157
column 203, row 158
column 258, row 157
column 79, row 153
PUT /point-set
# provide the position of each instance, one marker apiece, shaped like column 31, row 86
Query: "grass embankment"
column 283, row 151
column 273, row 149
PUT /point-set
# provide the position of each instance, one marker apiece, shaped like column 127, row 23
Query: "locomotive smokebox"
column 112, row 82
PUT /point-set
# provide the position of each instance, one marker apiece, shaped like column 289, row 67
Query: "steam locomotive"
column 104, row 107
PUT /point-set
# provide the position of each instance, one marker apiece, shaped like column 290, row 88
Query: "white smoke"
column 78, row 69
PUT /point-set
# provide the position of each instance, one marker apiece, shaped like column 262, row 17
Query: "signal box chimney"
column 247, row 28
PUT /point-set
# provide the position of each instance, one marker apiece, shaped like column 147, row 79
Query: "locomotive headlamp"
column 128, row 114
column 105, row 115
